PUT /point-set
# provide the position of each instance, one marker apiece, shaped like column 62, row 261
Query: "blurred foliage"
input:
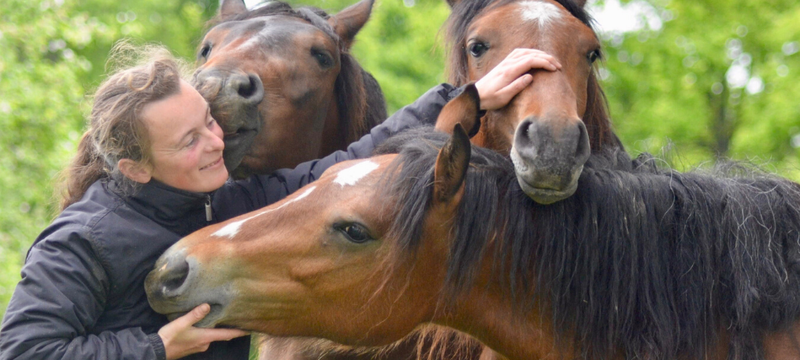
column 707, row 77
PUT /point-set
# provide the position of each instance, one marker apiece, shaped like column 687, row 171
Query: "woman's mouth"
column 213, row 164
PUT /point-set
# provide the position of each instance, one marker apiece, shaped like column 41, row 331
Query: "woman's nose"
column 215, row 139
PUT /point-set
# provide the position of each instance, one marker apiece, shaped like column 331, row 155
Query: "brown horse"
column 282, row 85
column 640, row 263
column 552, row 126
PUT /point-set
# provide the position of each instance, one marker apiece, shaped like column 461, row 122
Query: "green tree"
column 40, row 113
column 716, row 78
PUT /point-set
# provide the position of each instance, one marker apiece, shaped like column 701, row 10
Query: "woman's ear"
column 135, row 171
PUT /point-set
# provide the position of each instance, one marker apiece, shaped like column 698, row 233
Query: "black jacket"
column 82, row 295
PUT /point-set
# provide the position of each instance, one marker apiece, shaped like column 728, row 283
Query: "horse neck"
column 487, row 313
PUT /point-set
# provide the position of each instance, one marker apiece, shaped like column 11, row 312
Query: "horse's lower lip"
column 546, row 196
column 210, row 320
column 233, row 139
column 175, row 315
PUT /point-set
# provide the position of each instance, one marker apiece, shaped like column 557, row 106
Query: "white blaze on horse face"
column 353, row 174
column 541, row 12
column 256, row 40
column 232, row 229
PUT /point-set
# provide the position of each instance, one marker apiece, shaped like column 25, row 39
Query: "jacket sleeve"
column 62, row 293
column 242, row 196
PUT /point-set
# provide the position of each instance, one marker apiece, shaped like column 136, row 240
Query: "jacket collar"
column 178, row 210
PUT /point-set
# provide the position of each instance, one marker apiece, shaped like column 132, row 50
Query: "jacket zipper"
column 208, row 208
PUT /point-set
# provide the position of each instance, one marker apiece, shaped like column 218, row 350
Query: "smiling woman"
column 183, row 154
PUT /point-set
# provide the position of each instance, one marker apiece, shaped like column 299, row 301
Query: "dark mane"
column 359, row 96
column 596, row 116
column 642, row 261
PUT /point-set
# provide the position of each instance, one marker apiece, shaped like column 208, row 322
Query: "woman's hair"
column 139, row 76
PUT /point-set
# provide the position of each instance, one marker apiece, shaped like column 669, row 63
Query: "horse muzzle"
column 175, row 288
column 234, row 99
column 548, row 157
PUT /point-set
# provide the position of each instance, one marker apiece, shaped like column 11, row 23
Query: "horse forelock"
column 312, row 15
column 640, row 262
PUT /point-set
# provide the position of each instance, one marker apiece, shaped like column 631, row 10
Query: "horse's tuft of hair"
column 641, row 261
column 428, row 342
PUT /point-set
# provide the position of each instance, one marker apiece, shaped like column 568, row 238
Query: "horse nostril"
column 175, row 275
column 248, row 87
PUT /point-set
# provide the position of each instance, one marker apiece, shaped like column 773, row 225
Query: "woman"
column 148, row 171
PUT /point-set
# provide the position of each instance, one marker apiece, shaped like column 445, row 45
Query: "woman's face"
column 185, row 142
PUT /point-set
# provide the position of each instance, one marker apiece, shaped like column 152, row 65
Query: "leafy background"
column 703, row 78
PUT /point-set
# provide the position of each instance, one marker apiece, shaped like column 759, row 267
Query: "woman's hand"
column 180, row 338
column 510, row 76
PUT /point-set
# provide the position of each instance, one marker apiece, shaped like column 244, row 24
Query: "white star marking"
column 353, row 174
column 539, row 11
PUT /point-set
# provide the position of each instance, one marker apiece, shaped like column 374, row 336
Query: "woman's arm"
column 62, row 293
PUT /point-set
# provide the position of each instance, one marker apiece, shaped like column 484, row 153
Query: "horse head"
column 552, row 126
column 282, row 85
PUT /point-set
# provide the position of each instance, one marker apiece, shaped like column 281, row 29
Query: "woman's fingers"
column 192, row 317
column 181, row 338
column 515, row 87
column 211, row 335
column 520, row 56
column 510, row 76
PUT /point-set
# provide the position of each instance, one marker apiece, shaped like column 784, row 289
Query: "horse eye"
column 477, row 49
column 356, row 233
column 205, row 51
column 324, row 60
column 593, row 56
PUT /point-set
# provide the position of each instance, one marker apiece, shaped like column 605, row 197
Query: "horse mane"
column 641, row 261
column 596, row 118
column 360, row 100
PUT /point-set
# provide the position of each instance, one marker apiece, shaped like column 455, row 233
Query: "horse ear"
column 228, row 8
column 451, row 168
column 464, row 110
column 348, row 22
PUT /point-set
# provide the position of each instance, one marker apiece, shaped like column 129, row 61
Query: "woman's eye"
column 356, row 233
column 192, row 141
column 477, row 49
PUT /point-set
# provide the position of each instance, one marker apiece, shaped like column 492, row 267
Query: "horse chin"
column 211, row 320
column 542, row 186
column 546, row 196
column 236, row 147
